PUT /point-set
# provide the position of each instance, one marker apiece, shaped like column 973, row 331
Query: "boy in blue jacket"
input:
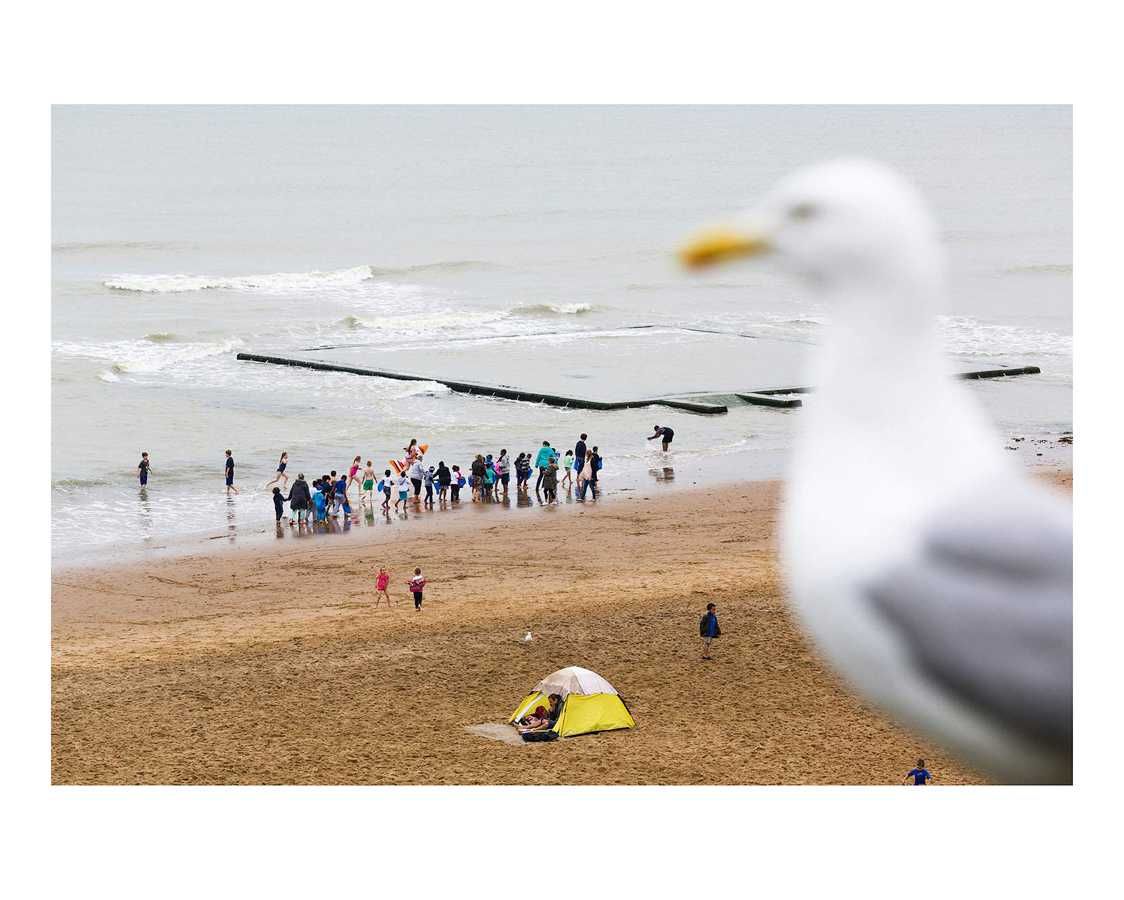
column 708, row 628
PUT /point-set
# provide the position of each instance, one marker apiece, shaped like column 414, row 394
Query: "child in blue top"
column 920, row 775
column 320, row 501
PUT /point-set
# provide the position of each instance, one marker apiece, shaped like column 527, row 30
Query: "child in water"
column 320, row 500
column 367, row 496
column 403, row 492
column 278, row 503
column 427, row 478
column 456, row 484
column 386, row 485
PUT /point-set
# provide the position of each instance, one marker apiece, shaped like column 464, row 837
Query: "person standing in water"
column 353, row 475
column 367, row 488
column 665, row 434
column 230, row 473
column 386, row 486
column 503, row 470
column 579, row 452
column 542, row 460
column 567, row 467
column 280, row 475
column 143, row 468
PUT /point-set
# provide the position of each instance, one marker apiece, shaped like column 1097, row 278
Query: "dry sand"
column 271, row 665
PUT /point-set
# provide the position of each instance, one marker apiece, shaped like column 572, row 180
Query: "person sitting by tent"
column 543, row 719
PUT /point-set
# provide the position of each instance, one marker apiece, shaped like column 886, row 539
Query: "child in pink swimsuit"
column 381, row 583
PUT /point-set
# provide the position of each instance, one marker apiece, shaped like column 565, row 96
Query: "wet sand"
column 271, row 664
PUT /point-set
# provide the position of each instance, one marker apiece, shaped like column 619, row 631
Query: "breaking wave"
column 126, row 357
column 277, row 283
column 533, row 310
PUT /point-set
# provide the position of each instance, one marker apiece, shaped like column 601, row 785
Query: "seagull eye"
column 802, row 212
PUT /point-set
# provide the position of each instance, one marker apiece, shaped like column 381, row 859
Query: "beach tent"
column 589, row 702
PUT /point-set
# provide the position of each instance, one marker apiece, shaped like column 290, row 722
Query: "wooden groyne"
column 776, row 398
column 490, row 390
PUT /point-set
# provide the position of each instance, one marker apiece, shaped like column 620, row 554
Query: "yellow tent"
column 589, row 703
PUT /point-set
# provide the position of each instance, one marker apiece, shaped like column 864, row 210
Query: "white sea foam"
column 143, row 355
column 277, row 283
column 966, row 336
column 531, row 310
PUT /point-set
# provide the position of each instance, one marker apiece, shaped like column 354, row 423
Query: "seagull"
column 930, row 570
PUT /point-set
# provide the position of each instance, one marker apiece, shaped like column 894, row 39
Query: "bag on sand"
column 533, row 737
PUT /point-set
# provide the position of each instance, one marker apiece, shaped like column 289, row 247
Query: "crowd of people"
column 415, row 483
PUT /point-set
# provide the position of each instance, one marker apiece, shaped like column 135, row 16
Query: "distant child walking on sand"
column 382, row 582
column 230, row 473
column 568, row 469
column 143, row 468
column 920, row 775
column 708, row 628
column 280, row 475
column 417, row 585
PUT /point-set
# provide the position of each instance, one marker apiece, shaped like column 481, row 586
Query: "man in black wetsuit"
column 662, row 431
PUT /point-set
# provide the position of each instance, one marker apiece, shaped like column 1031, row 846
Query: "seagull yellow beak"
column 720, row 246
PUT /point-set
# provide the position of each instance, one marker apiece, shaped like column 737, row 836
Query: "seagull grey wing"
column 987, row 610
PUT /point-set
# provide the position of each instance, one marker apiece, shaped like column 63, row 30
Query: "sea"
column 496, row 245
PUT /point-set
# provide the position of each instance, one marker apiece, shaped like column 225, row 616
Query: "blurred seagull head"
column 843, row 224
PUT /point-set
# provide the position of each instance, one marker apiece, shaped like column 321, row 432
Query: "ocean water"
column 493, row 245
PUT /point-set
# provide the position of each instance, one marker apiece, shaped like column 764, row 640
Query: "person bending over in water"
column 280, row 475
column 665, row 434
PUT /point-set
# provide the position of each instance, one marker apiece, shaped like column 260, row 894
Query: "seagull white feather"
column 891, row 450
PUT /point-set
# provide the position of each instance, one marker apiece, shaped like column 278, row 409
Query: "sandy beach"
column 271, row 665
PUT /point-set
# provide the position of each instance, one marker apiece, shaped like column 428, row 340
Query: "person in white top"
column 417, row 473
column 403, row 491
